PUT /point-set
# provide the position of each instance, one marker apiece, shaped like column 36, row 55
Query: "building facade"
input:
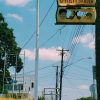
column 22, row 85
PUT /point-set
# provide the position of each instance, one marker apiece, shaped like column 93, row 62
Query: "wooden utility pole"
column 61, row 74
column 57, row 83
column 56, row 96
column 61, row 71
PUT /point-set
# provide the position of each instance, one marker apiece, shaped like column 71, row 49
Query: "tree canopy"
column 9, row 52
column 41, row 98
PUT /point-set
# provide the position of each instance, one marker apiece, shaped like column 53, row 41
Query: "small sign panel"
column 76, row 15
column 76, row 2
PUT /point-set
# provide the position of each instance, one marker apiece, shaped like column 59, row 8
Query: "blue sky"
column 21, row 16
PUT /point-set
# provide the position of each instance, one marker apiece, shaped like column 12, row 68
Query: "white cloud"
column 20, row 3
column 50, row 54
column 87, row 40
column 92, row 45
column 83, row 87
column 15, row 16
column 28, row 54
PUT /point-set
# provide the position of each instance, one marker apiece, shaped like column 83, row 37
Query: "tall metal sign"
column 76, row 12
column 98, row 48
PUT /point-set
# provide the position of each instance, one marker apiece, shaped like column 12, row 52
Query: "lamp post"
column 36, row 53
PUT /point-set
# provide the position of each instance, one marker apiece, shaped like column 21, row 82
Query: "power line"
column 72, row 47
column 47, row 13
column 40, row 24
column 77, row 61
column 45, row 67
column 71, row 84
column 75, row 75
column 78, row 78
column 49, row 39
column 52, row 36
column 28, row 40
column 79, row 74
column 83, row 68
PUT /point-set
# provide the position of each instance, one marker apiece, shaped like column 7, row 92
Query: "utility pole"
column 4, row 74
column 16, row 67
column 37, row 52
column 23, row 71
column 44, row 93
column 57, row 83
column 61, row 71
column 51, row 95
column 56, row 97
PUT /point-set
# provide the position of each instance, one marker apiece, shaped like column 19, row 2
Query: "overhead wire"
column 78, row 78
column 66, row 38
column 74, row 43
column 52, row 36
column 48, row 39
column 83, row 68
column 28, row 40
column 45, row 67
column 75, row 87
column 78, row 33
column 70, row 44
column 78, row 36
column 40, row 24
column 75, row 75
column 47, row 12
column 79, row 30
column 80, row 74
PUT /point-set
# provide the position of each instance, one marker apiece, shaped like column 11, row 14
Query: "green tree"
column 41, row 98
column 9, row 52
column 85, row 98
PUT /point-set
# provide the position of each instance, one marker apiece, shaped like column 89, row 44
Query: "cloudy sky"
column 79, row 40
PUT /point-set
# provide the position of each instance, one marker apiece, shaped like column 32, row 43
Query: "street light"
column 37, row 52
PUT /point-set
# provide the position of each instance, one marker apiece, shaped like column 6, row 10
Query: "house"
column 22, row 86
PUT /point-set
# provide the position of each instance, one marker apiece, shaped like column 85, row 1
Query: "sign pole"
column 36, row 54
column 97, row 41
